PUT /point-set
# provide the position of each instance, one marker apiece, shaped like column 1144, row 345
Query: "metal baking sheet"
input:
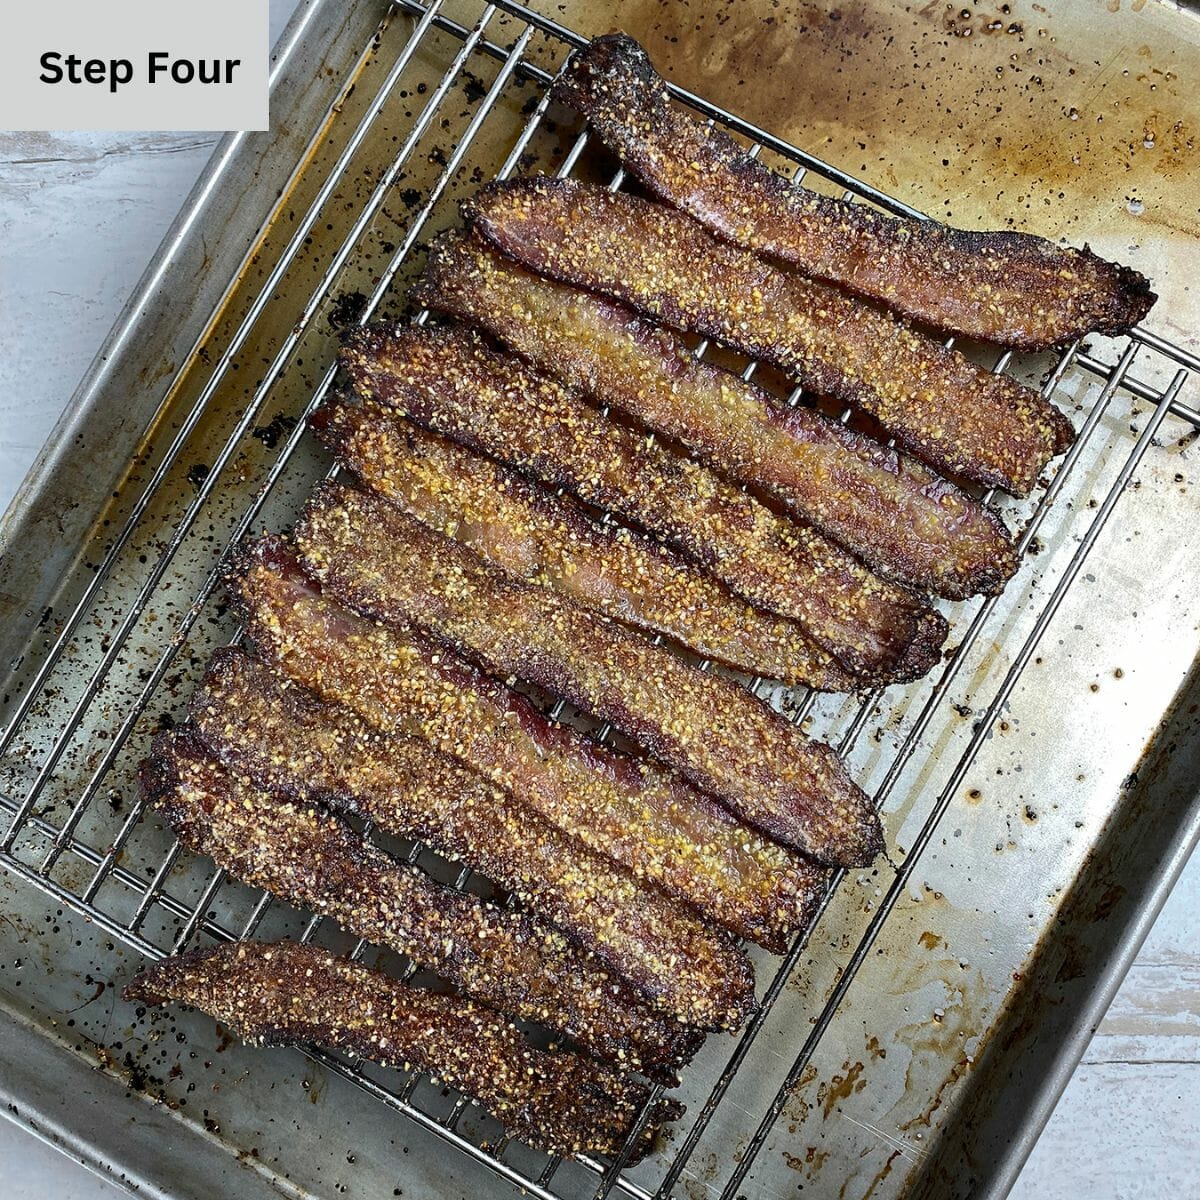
column 1039, row 794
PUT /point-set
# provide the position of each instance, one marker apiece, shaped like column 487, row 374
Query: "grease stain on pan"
column 841, row 1086
column 951, row 998
column 1023, row 114
column 949, row 1005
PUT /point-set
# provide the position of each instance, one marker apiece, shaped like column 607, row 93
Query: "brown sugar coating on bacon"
column 315, row 860
column 937, row 404
column 550, row 540
column 898, row 516
column 380, row 561
column 630, row 810
column 283, row 993
column 1012, row 288
column 494, row 403
column 288, row 740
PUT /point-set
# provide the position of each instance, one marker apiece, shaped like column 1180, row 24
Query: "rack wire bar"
column 246, row 523
column 202, row 916
column 194, row 416
column 895, row 769
column 273, row 373
column 295, row 438
column 982, row 729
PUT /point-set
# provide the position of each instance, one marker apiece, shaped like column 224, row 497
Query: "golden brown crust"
column 893, row 512
column 631, row 810
column 287, row 740
column 378, row 560
column 937, row 404
column 310, row 858
column 1012, row 288
column 494, row 403
column 279, row 994
column 551, row 541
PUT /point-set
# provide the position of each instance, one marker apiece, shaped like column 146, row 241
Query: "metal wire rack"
column 96, row 690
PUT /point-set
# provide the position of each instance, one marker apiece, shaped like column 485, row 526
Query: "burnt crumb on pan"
column 271, row 435
column 346, row 310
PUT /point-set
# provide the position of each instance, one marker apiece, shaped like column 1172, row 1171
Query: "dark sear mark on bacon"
column 550, row 540
column 378, row 560
column 633, row 811
column 893, row 512
column 1012, row 288
column 937, row 404
column 283, row 993
column 313, row 859
column 449, row 381
column 288, row 740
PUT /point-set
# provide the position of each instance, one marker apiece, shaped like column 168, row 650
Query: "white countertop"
column 80, row 215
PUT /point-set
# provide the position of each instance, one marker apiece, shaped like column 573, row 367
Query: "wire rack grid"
column 63, row 831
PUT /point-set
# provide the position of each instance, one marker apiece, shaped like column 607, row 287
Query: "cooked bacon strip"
column 1012, row 288
column 634, row 812
column 289, row 741
column 512, row 961
column 449, row 381
column 892, row 511
column 380, row 561
column 281, row 993
column 551, row 541
column 936, row 403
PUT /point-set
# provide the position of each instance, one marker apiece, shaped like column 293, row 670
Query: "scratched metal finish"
column 1052, row 839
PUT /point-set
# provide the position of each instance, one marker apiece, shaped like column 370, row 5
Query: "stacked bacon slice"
column 469, row 555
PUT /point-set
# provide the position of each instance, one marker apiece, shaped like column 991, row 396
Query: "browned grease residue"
column 880, row 1176
column 1037, row 116
column 314, row 1083
column 841, row 1087
column 810, row 1165
column 798, row 1108
column 938, row 1042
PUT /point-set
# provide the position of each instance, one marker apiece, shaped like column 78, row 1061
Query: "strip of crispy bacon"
column 448, row 380
column 1012, row 288
column 282, row 993
column 378, row 560
column 550, row 540
column 892, row 511
column 632, row 811
column 954, row 415
column 288, row 740
column 512, row 961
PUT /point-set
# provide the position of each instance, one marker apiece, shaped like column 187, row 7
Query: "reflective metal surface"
column 1035, row 808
